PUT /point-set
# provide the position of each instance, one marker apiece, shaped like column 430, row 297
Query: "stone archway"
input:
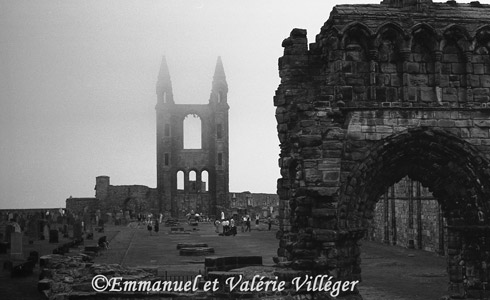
column 459, row 178
column 373, row 99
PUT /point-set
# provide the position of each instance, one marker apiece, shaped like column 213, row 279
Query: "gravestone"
column 53, row 236
column 8, row 231
column 33, row 229
column 77, row 230
column 16, row 245
column 46, row 231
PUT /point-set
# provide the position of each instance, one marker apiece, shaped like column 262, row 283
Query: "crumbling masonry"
column 386, row 91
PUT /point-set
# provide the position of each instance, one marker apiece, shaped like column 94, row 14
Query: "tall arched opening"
column 457, row 175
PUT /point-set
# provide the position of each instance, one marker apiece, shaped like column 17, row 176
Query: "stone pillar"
column 455, row 267
column 410, row 213
column 419, row 216
column 386, row 208
column 469, row 72
column 440, row 218
column 393, row 215
column 437, row 75
column 405, row 53
column 373, row 56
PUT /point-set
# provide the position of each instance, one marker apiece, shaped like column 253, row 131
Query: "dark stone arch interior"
column 452, row 169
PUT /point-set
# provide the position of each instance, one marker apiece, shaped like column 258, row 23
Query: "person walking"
column 247, row 223
column 156, row 227
column 149, row 226
column 269, row 222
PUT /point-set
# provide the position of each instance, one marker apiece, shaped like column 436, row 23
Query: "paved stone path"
column 389, row 273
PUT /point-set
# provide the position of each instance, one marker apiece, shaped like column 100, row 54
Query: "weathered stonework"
column 213, row 156
column 386, row 91
column 131, row 198
column 407, row 215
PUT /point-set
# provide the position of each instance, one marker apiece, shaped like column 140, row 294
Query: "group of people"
column 152, row 225
column 230, row 227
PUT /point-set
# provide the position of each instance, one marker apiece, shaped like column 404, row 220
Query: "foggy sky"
column 77, row 87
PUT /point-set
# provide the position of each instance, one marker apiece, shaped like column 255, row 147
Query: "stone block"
column 445, row 123
column 478, row 69
column 485, row 81
column 458, row 68
column 450, row 58
column 481, row 123
column 463, row 123
column 413, row 67
column 479, row 132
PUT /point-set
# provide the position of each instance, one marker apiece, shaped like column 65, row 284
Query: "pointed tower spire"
column 164, row 84
column 219, row 91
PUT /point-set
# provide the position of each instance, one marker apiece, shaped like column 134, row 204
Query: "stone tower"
column 181, row 173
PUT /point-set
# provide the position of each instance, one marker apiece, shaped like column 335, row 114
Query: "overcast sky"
column 77, row 87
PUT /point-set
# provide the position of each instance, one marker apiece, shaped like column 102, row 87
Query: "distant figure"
column 226, row 227
column 257, row 222
column 242, row 223
column 269, row 222
column 103, row 243
column 149, row 226
column 232, row 227
column 156, row 227
column 216, row 224
column 222, row 216
column 247, row 223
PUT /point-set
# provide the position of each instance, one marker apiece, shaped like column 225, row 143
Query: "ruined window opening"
column 192, row 132
column 167, row 129
column 220, row 159
column 220, row 97
column 219, row 131
column 164, row 97
column 192, row 181
column 180, row 180
column 167, row 159
column 204, row 181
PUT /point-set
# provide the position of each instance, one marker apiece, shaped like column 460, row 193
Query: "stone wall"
column 133, row 198
column 417, row 221
column 79, row 205
column 254, row 204
column 385, row 91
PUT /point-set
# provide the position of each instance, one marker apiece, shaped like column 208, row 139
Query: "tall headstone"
column 16, row 245
column 53, row 236
column 77, row 230
column 46, row 231
column 33, row 229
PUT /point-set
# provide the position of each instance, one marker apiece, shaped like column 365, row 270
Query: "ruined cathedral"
column 175, row 162
column 189, row 179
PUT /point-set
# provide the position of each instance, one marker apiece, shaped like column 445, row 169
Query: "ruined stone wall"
column 413, row 226
column 212, row 157
column 255, row 204
column 385, row 91
column 79, row 205
column 133, row 198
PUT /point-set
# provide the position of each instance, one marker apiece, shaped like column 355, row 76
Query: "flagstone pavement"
column 389, row 273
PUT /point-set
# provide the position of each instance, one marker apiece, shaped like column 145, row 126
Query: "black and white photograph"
column 231, row 149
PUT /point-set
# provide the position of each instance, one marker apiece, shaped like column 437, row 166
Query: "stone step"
column 191, row 245
column 196, row 251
